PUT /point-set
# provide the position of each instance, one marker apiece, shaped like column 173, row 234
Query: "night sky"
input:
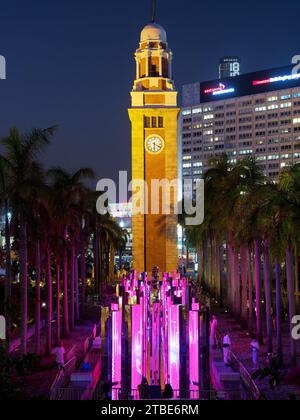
column 70, row 62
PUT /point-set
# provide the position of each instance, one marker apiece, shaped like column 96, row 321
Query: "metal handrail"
column 62, row 378
column 75, row 394
column 246, row 377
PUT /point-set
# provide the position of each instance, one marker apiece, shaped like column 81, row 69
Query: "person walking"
column 255, row 353
column 226, row 349
column 213, row 332
column 60, row 352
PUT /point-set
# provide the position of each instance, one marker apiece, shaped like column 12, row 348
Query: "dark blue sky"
column 70, row 62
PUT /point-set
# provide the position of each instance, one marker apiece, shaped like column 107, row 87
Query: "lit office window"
column 197, row 111
column 286, row 105
column 208, row 117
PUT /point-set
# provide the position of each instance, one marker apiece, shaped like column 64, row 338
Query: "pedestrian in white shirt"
column 226, row 349
column 60, row 352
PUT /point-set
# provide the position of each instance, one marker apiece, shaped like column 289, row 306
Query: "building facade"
column 154, row 120
column 257, row 114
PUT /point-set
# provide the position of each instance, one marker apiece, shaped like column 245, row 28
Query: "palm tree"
column 67, row 190
column 8, row 274
column 24, row 180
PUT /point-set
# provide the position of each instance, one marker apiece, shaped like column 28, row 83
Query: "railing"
column 246, row 377
column 89, row 341
column 75, row 394
column 58, row 390
column 71, row 354
column 62, row 378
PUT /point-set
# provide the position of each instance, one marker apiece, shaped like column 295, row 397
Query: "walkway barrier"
column 62, row 378
column 58, row 388
column 246, row 377
column 89, row 341
column 74, row 394
column 71, row 354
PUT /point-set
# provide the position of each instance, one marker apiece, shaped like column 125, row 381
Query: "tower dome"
column 153, row 32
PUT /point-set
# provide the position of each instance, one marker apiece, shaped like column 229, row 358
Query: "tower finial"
column 153, row 10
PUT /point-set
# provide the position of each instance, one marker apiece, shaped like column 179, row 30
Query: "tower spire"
column 153, row 11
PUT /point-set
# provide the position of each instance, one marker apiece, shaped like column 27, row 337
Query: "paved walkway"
column 241, row 341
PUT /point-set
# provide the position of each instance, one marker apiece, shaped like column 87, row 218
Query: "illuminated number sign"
column 235, row 69
column 220, row 90
column 286, row 78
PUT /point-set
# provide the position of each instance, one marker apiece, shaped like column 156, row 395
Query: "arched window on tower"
column 165, row 68
column 154, row 67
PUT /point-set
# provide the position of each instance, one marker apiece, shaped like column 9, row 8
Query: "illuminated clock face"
column 154, row 144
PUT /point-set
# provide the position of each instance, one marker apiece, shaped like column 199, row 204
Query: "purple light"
column 116, row 352
column 194, row 352
column 174, row 346
column 137, row 347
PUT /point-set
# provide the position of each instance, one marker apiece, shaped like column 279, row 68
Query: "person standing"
column 255, row 353
column 213, row 332
column 60, row 352
column 143, row 389
column 226, row 349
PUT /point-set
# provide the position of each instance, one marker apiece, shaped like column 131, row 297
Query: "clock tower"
column 154, row 120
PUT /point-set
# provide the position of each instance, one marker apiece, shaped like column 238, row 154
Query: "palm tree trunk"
column 77, row 297
column 258, row 290
column 65, row 293
column 268, row 294
column 83, row 268
column 297, row 278
column 72, row 288
column 38, row 298
column 291, row 299
column 200, row 265
column 250, row 291
column 24, row 285
column 244, row 285
column 49, row 303
column 8, row 274
column 278, row 313
column 222, row 275
column 229, row 274
column 96, row 264
column 218, row 272
column 58, row 292
column 111, row 264
column 205, row 255
column 236, row 285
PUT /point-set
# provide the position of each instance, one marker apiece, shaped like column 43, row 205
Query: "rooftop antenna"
column 153, row 11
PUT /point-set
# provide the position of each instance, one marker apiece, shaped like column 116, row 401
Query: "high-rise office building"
column 256, row 114
column 229, row 67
